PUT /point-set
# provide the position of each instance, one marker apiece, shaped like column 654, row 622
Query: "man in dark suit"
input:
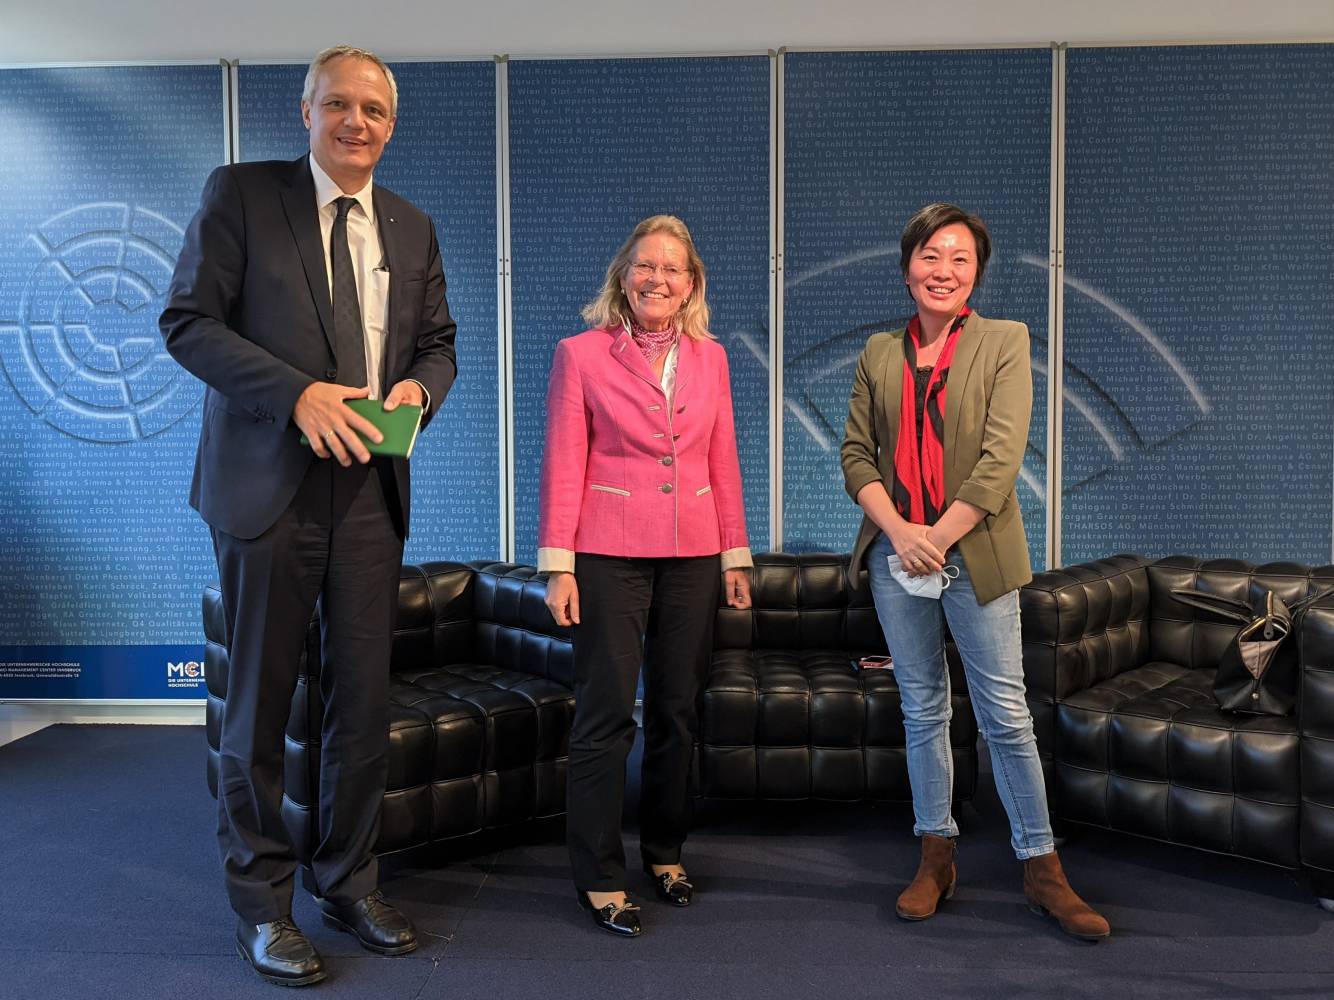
column 302, row 285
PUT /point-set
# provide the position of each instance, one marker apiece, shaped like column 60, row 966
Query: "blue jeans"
column 987, row 636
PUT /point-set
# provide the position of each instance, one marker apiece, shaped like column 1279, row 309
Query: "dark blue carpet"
column 110, row 883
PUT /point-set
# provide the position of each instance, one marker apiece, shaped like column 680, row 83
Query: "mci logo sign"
column 189, row 674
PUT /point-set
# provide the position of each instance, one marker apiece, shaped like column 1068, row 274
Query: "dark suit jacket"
column 988, row 402
column 248, row 312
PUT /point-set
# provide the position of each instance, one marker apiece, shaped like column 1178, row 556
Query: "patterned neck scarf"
column 919, row 478
column 653, row 344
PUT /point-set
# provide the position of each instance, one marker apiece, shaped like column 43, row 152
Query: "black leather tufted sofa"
column 480, row 709
column 785, row 715
column 1120, row 679
column 481, row 702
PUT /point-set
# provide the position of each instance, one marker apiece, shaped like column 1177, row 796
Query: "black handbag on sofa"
column 1253, row 675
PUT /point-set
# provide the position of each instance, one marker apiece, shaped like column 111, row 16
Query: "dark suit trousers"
column 337, row 546
column 659, row 612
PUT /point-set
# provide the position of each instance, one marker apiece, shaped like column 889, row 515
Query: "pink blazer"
column 625, row 475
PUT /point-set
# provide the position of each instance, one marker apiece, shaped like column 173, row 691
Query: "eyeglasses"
column 643, row 269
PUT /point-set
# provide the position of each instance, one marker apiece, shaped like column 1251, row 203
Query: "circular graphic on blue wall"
column 83, row 351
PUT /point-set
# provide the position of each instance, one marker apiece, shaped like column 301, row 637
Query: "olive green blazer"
column 988, row 402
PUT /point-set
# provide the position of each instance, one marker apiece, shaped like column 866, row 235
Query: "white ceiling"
column 134, row 30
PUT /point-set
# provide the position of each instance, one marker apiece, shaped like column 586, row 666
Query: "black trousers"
column 338, row 545
column 658, row 612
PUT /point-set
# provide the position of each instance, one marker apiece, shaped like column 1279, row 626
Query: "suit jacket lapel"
column 965, row 354
column 685, row 364
column 299, row 204
column 891, row 382
column 388, row 227
column 624, row 350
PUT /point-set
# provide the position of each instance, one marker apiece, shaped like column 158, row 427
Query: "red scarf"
column 919, row 479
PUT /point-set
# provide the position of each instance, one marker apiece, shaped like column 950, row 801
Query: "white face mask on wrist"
column 931, row 585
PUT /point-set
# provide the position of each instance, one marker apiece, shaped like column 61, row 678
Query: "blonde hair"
column 326, row 56
column 610, row 308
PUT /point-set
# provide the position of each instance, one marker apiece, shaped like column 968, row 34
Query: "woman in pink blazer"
column 641, row 522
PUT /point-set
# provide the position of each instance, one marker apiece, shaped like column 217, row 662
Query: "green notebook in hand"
column 399, row 426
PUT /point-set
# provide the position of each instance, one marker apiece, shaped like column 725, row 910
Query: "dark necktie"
column 349, row 340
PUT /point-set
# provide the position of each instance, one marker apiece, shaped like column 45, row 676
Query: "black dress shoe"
column 279, row 952
column 379, row 925
column 620, row 920
column 670, row 887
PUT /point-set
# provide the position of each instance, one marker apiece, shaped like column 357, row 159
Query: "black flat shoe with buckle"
column 670, row 887
column 619, row 919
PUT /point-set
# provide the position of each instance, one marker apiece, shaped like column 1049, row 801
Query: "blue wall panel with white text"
column 100, row 171
column 870, row 138
column 1199, row 290
column 597, row 145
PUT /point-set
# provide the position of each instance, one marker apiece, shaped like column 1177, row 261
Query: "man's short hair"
column 337, row 52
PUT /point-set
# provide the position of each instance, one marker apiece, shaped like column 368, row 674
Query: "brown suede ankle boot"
column 1048, row 892
column 934, row 881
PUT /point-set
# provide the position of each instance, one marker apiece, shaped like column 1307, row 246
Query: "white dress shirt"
column 368, row 265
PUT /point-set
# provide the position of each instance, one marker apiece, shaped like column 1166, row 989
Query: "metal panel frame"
column 504, row 310
column 1056, row 311
column 777, row 397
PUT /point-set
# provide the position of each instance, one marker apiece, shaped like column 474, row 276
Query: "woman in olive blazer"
column 936, row 431
column 986, row 428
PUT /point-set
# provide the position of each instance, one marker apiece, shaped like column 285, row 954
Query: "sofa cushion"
column 513, row 626
column 803, row 723
column 472, row 746
column 1149, row 752
column 802, row 602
